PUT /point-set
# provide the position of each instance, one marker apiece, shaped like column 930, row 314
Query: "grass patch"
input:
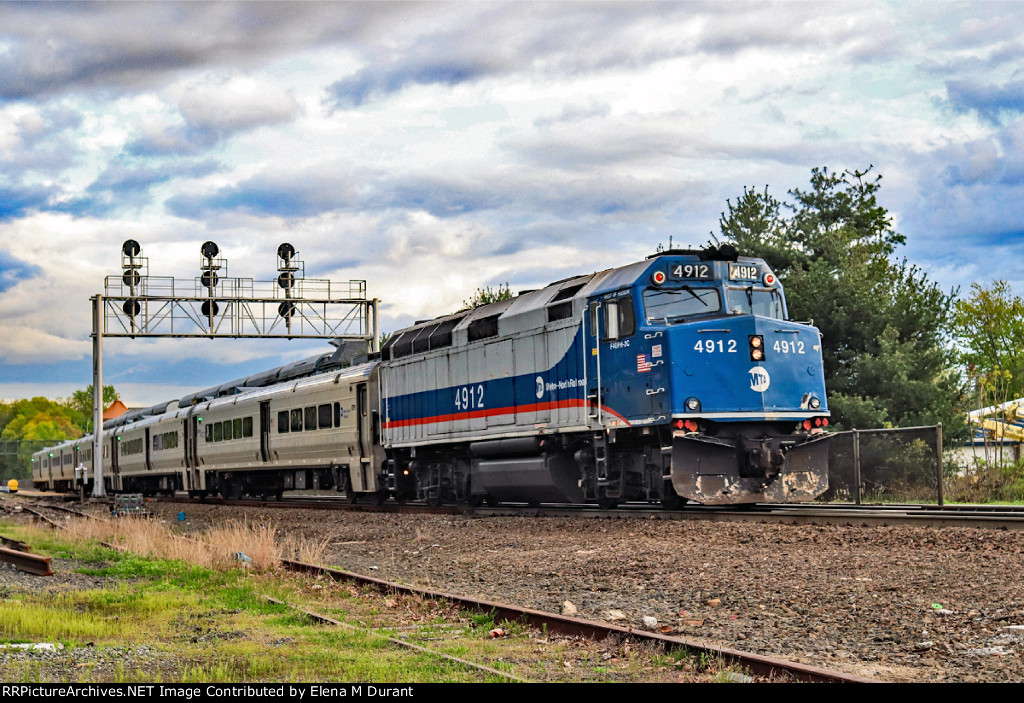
column 152, row 619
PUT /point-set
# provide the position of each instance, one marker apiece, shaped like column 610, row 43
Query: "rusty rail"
column 29, row 563
column 15, row 544
column 770, row 667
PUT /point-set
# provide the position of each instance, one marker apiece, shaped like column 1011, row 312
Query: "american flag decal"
column 642, row 364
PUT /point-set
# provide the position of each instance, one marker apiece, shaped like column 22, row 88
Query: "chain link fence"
column 898, row 465
column 16, row 457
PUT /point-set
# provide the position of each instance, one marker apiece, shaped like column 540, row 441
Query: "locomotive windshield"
column 750, row 301
column 671, row 303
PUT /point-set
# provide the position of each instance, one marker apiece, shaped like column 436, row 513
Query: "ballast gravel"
column 899, row 604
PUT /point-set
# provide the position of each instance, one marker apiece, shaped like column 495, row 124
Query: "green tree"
column 80, row 403
column 883, row 322
column 485, row 296
column 989, row 328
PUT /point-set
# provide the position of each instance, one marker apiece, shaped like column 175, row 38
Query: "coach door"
column 265, row 430
column 192, row 473
column 115, row 462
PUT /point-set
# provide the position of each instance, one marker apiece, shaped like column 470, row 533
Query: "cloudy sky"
column 434, row 148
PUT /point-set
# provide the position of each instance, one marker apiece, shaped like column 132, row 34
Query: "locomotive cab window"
column 751, row 301
column 671, row 304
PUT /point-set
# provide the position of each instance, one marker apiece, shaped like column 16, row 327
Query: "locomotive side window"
column 296, row 420
column 619, row 320
column 325, row 416
column 282, row 422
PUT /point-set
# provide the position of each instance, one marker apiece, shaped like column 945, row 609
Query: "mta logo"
column 759, row 379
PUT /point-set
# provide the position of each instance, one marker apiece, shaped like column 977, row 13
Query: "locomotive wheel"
column 475, row 501
column 279, row 494
column 351, row 496
column 380, row 496
column 492, row 501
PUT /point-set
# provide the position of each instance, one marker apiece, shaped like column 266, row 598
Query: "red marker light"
column 769, row 279
column 807, row 424
column 658, row 277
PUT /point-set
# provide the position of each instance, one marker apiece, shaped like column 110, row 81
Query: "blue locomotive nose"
column 746, row 367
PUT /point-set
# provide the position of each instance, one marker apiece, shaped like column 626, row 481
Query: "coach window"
column 227, row 429
column 247, row 427
column 236, row 428
column 209, row 433
column 282, row 422
column 311, row 417
column 218, row 431
column 337, row 414
column 325, row 416
column 297, row 420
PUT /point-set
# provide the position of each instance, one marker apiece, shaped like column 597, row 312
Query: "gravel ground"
column 893, row 603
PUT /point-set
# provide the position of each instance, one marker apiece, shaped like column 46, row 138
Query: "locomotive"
column 676, row 378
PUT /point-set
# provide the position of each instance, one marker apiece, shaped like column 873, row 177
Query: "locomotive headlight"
column 756, row 343
column 814, row 403
column 692, row 404
column 658, row 277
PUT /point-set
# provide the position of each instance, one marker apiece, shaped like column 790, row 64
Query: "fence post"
column 938, row 463
column 856, row 467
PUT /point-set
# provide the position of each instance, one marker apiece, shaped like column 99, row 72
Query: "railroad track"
column 996, row 517
column 771, row 668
